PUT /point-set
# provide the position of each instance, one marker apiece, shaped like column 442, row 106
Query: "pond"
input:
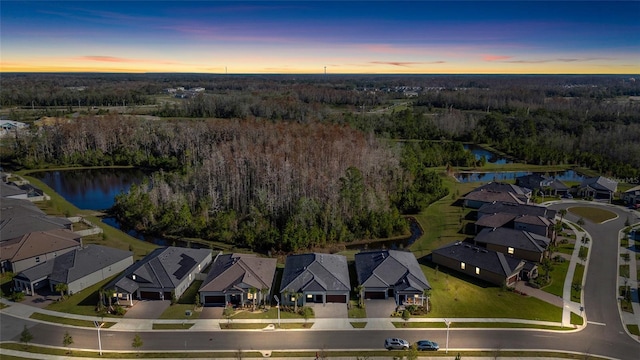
column 490, row 156
column 467, row 177
column 96, row 189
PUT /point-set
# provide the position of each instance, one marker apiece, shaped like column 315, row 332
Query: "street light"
column 448, row 323
column 99, row 325
column 275, row 297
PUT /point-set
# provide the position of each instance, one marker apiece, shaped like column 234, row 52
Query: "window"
column 309, row 296
column 462, row 265
column 477, row 270
column 510, row 250
column 133, row 276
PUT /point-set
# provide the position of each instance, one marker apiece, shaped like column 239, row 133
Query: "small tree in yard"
column 137, row 342
column 228, row 313
column 26, row 336
column 406, row 315
column 67, row 341
column 307, row 313
column 62, row 288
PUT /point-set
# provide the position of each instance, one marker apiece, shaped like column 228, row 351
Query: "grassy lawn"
column 356, row 311
column 624, row 271
column 576, row 319
column 179, row 311
column 358, row 325
column 271, row 313
column 595, row 215
column 67, row 321
column 83, row 302
column 577, row 278
column 633, row 329
column 466, row 325
column 565, row 248
column 457, row 296
column 558, row 275
column 183, row 326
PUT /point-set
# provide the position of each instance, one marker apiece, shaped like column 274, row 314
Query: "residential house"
column 391, row 274
column 162, row 274
column 538, row 182
column 476, row 199
column 11, row 191
column 78, row 269
column 535, row 219
column 488, row 265
column 515, row 209
column 36, row 247
column 632, row 196
column 19, row 217
column 523, row 194
column 517, row 243
column 238, row 279
column 315, row 278
column 598, row 188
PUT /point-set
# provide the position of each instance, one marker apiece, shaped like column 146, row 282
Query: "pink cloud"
column 114, row 59
column 405, row 63
column 495, row 57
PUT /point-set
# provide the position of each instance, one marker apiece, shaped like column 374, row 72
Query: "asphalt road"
column 604, row 334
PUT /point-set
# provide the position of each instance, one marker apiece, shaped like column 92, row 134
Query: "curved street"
column 604, row 334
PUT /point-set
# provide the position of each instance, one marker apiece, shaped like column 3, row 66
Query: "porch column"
column 130, row 298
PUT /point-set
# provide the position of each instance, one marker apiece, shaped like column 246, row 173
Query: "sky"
column 311, row 37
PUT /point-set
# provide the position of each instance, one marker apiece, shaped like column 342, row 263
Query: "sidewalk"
column 633, row 281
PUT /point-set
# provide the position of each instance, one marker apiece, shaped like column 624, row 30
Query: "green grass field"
column 595, row 215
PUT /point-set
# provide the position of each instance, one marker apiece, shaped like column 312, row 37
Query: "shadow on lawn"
column 426, row 261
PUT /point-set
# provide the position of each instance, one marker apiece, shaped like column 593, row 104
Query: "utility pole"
column 275, row 297
column 448, row 323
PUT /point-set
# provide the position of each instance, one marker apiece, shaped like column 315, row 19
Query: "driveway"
column 212, row 312
column 147, row 309
column 329, row 310
column 380, row 308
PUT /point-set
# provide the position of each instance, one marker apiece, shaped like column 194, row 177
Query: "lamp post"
column 99, row 325
column 275, row 297
column 448, row 323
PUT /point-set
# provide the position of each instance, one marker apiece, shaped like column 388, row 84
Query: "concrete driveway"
column 379, row 308
column 329, row 310
column 212, row 312
column 147, row 309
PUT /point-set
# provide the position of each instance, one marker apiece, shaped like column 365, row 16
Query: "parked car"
column 567, row 196
column 427, row 345
column 396, row 344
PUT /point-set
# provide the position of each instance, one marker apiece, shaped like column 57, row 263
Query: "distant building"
column 598, row 188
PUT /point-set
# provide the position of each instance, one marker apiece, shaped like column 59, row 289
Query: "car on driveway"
column 396, row 344
column 427, row 345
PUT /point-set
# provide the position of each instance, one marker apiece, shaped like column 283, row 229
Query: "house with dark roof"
column 11, row 191
column 319, row 278
column 162, row 274
column 598, row 188
column 539, row 225
column 538, row 182
column 19, row 217
column 238, row 279
column 391, row 274
column 78, row 269
column 632, row 196
column 496, row 191
column 488, row 265
column 36, row 247
column 517, row 243
column 515, row 209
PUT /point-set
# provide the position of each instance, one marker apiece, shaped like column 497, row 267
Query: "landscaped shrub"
column 17, row 296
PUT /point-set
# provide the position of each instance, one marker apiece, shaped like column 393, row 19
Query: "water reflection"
column 91, row 189
column 490, row 156
column 466, row 177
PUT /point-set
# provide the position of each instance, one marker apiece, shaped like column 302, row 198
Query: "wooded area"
column 290, row 162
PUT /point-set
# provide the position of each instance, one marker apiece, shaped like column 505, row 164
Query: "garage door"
column 374, row 295
column 150, row 295
column 214, row 299
column 337, row 298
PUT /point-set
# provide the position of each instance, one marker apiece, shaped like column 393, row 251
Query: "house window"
column 293, row 298
column 133, row 277
column 477, row 270
column 462, row 265
column 37, row 259
column 250, row 295
column 309, row 296
column 510, row 250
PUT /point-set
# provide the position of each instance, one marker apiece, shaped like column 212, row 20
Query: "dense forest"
column 284, row 162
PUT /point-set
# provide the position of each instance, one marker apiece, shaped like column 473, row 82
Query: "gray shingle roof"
column 516, row 239
column 502, row 187
column 495, row 220
column 10, row 190
column 231, row 271
column 76, row 264
column 600, row 183
column 516, row 209
column 163, row 268
column 389, row 268
column 490, row 196
column 322, row 272
column 484, row 259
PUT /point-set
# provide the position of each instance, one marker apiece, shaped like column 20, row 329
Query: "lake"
column 466, row 177
column 490, row 156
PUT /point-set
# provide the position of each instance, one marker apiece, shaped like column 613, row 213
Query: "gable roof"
column 7, row 190
column 231, row 271
column 163, row 268
column 558, row 185
column 484, row 259
column 10, row 208
column 532, row 181
column 495, row 220
column 516, row 209
column 502, row 187
column 600, row 183
column 634, row 190
column 76, row 264
column 533, row 220
column 315, row 272
column 389, row 268
column 517, row 239
column 38, row 243
column 491, row 196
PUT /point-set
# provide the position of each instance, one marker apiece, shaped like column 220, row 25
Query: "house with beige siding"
column 35, row 248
